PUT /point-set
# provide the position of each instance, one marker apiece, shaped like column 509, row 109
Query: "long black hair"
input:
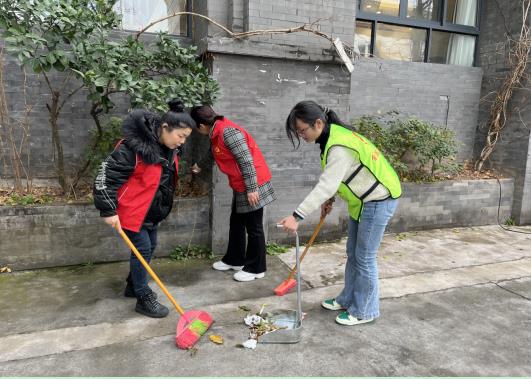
column 204, row 114
column 309, row 112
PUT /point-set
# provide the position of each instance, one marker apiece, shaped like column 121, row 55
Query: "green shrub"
column 275, row 249
column 417, row 149
column 182, row 253
column 29, row 199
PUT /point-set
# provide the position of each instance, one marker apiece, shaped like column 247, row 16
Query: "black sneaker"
column 149, row 306
column 130, row 291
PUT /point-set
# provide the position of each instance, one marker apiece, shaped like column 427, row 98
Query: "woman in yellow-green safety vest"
column 357, row 171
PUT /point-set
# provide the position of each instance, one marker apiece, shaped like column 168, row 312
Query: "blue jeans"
column 360, row 297
column 145, row 242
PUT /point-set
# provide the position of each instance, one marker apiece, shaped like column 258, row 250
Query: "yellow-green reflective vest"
column 370, row 158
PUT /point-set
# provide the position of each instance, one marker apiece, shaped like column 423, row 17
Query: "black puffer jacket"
column 140, row 130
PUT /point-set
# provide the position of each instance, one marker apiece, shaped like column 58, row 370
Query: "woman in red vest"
column 238, row 156
column 135, row 186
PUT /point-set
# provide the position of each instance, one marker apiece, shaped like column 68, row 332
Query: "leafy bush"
column 417, row 149
column 275, row 249
column 29, row 199
column 111, row 134
column 182, row 253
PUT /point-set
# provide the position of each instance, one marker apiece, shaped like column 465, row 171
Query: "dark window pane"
column 388, row 7
column 423, row 9
column 137, row 14
column 362, row 39
column 400, row 43
column 452, row 48
column 462, row 12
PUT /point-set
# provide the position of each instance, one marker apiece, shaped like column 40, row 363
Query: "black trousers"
column 253, row 259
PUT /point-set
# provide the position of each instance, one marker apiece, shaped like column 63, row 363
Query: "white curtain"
column 465, row 12
column 461, row 47
column 461, row 50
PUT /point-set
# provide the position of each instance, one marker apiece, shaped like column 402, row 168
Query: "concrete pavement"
column 454, row 302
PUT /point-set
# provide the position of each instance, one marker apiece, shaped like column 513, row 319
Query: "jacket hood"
column 140, row 129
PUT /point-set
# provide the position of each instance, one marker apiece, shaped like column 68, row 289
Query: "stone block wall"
column 446, row 95
column 62, row 235
column 452, row 203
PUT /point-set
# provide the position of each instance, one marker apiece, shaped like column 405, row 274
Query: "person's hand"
column 290, row 224
column 326, row 207
column 253, row 198
column 114, row 222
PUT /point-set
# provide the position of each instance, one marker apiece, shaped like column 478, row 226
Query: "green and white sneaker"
column 344, row 318
column 332, row 305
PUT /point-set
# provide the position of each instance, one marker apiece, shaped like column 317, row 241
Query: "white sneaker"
column 331, row 304
column 220, row 266
column 244, row 276
column 344, row 318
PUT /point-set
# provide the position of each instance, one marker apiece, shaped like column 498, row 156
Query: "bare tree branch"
column 519, row 52
column 310, row 28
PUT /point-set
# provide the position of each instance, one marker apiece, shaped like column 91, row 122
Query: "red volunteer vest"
column 226, row 161
column 136, row 195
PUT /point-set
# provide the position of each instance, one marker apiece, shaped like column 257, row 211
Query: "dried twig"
column 310, row 28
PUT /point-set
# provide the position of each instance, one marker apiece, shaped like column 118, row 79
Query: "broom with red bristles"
column 192, row 324
column 289, row 283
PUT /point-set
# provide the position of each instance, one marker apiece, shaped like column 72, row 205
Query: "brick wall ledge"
column 226, row 45
column 62, row 235
column 444, row 204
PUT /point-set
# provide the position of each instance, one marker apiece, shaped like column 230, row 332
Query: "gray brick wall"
column 443, row 94
column 258, row 93
column 513, row 148
column 335, row 18
column 452, row 203
column 49, row 236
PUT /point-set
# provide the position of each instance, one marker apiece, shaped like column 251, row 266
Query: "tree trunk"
column 56, row 140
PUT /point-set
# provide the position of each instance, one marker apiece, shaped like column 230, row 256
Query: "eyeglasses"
column 302, row 131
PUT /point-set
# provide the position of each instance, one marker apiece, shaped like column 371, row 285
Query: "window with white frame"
column 137, row 14
column 436, row 31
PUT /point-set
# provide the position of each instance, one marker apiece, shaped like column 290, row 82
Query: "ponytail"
column 176, row 117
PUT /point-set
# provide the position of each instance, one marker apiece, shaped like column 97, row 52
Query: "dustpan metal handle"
column 151, row 272
column 308, row 245
column 297, row 264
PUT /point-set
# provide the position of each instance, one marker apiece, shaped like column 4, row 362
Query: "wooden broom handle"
column 151, row 272
column 314, row 236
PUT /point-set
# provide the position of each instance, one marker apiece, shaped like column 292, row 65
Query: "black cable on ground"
column 499, row 206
